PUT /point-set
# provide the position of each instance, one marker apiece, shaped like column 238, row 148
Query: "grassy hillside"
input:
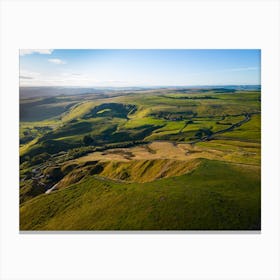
column 40, row 109
column 216, row 195
column 151, row 159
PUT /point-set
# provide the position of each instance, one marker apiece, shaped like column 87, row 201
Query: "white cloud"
column 240, row 69
column 25, row 77
column 56, row 61
column 225, row 70
column 27, row 73
column 56, row 79
column 31, row 51
column 71, row 78
column 28, row 77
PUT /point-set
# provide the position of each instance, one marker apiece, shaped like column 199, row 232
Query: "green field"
column 145, row 160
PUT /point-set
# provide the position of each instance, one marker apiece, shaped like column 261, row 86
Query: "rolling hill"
column 149, row 159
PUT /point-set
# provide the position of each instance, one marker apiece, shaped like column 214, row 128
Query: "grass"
column 78, row 111
column 136, row 122
column 46, row 108
column 230, row 151
column 147, row 170
column 116, row 183
column 250, row 131
column 230, row 195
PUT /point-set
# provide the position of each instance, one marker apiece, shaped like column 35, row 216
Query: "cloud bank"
column 56, row 61
column 32, row 51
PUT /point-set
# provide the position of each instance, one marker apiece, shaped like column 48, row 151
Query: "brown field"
column 180, row 152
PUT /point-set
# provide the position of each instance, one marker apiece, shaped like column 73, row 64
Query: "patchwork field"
column 160, row 159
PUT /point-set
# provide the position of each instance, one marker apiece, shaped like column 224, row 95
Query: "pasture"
column 162, row 159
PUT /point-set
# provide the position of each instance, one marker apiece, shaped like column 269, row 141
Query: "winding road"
column 232, row 127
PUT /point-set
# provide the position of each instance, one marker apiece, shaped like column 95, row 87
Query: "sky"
column 126, row 68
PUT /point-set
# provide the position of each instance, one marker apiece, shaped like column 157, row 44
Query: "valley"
column 145, row 159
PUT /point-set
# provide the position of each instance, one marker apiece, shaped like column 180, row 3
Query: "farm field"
column 145, row 159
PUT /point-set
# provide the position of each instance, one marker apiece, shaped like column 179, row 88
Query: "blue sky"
column 120, row 68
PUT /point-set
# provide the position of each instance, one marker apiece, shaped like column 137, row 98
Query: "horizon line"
column 208, row 85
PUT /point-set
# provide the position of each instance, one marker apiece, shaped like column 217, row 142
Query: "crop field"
column 149, row 159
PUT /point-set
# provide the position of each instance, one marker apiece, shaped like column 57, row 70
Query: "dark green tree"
column 88, row 140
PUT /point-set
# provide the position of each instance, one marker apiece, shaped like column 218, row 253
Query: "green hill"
column 214, row 196
column 141, row 160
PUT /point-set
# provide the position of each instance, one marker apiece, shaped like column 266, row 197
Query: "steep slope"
column 147, row 170
column 214, row 196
